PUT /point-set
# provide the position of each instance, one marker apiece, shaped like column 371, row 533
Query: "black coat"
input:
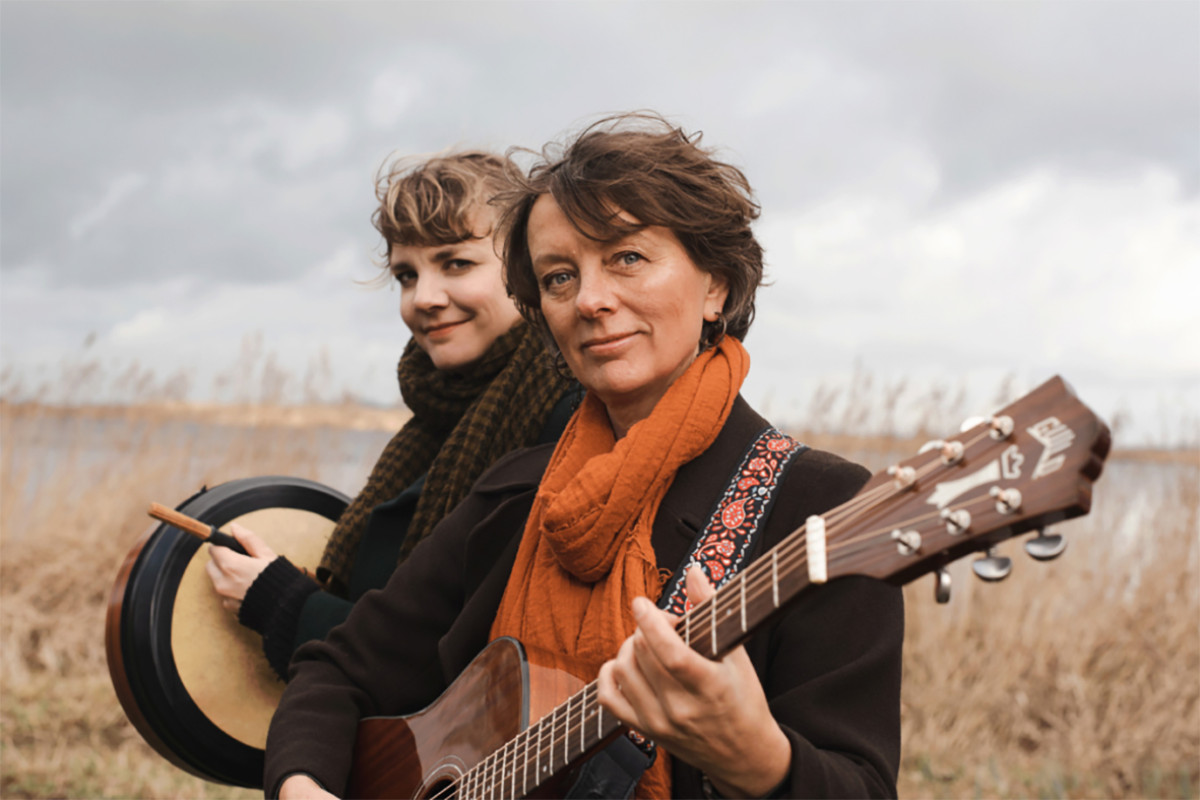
column 830, row 664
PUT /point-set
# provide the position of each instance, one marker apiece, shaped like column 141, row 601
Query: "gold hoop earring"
column 713, row 332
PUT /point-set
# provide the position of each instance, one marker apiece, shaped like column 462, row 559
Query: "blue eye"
column 629, row 258
column 555, row 280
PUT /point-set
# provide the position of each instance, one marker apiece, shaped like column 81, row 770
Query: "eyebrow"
column 547, row 260
column 445, row 254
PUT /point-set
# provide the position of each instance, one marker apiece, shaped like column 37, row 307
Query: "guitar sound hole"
column 443, row 789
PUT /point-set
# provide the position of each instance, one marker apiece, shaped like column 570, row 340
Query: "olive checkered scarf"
column 462, row 422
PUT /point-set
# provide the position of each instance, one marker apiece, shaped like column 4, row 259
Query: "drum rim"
column 191, row 739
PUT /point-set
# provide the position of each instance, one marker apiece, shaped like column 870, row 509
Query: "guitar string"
column 790, row 557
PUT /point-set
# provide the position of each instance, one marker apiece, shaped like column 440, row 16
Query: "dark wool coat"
column 830, row 664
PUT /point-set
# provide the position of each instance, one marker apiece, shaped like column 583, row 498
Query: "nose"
column 430, row 293
column 597, row 294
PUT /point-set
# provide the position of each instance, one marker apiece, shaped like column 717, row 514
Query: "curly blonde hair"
column 425, row 202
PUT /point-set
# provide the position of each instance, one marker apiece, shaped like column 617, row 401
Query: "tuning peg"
column 971, row 422
column 1002, row 426
column 1046, row 546
column 1007, row 500
column 941, row 586
column 992, row 567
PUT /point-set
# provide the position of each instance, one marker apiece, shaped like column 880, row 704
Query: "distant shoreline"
column 353, row 416
column 346, row 416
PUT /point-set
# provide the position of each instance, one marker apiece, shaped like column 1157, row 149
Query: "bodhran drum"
column 193, row 681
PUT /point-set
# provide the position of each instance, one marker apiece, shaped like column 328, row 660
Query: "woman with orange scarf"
column 632, row 250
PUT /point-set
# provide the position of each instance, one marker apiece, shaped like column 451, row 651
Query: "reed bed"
column 1077, row 678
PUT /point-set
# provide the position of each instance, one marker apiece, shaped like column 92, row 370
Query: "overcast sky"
column 954, row 192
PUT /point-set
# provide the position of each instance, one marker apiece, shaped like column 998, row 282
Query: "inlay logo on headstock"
column 1055, row 438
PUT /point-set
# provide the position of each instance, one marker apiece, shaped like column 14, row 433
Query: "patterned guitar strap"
column 719, row 549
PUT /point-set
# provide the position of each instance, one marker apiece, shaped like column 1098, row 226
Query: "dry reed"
column 1077, row 678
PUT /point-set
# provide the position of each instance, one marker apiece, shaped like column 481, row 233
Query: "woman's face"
column 626, row 314
column 453, row 299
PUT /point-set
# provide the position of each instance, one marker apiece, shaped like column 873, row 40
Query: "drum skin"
column 192, row 680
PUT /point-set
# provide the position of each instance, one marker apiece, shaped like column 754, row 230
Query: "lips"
column 442, row 327
column 607, row 343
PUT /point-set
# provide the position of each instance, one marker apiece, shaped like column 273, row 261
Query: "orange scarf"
column 586, row 551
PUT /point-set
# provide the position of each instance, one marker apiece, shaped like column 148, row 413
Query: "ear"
column 714, row 298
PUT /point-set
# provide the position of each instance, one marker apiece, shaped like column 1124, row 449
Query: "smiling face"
column 452, row 298
column 626, row 314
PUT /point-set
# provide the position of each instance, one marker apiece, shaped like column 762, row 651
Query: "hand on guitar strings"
column 232, row 573
column 711, row 714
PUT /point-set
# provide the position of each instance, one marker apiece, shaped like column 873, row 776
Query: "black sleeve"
column 272, row 606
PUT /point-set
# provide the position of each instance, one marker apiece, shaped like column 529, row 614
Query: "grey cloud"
column 236, row 142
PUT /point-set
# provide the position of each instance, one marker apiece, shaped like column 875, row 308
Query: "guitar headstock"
column 1031, row 464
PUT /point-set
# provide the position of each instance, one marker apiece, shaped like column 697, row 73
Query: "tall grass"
column 1077, row 678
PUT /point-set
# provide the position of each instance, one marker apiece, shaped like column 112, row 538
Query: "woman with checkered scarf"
column 474, row 374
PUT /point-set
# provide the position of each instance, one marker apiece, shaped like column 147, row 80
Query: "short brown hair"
column 641, row 164
column 426, row 202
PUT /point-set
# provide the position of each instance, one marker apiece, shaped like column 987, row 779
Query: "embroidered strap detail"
column 721, row 547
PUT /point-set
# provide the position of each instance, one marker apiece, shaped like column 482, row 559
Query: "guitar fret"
column 497, row 772
column 599, row 722
column 525, row 764
column 742, row 581
column 513, row 779
column 582, row 723
column 713, row 603
column 775, row 575
column 687, row 627
column 567, row 733
column 503, row 766
column 550, row 751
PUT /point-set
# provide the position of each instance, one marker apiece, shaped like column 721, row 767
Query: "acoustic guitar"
column 516, row 724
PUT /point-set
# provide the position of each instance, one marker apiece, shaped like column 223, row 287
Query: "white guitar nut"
column 814, row 539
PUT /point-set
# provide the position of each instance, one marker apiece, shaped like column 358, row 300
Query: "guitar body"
column 495, row 698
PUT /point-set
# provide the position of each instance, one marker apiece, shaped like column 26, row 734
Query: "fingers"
column 609, row 693
column 250, row 540
column 233, row 573
column 662, row 653
column 699, row 589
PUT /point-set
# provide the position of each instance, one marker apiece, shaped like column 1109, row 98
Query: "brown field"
column 1077, row 678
